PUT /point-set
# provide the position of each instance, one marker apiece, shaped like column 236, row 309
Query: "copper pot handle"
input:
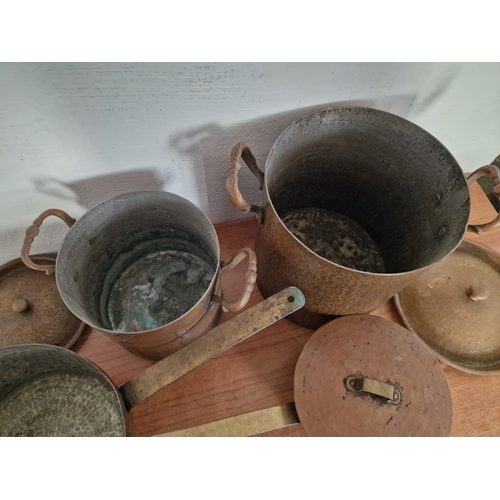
column 33, row 231
column 250, row 278
column 211, row 344
column 494, row 173
column 241, row 150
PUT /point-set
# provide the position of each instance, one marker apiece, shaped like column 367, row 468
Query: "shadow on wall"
column 210, row 145
column 90, row 192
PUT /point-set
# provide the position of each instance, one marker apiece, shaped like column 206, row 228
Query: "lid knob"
column 20, row 306
column 477, row 292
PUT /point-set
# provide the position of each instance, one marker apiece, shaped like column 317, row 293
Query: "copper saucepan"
column 143, row 267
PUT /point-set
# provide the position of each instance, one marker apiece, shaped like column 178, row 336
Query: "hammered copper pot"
column 382, row 195
column 144, row 268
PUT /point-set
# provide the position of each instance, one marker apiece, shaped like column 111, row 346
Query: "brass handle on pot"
column 241, row 150
column 494, row 173
column 371, row 386
column 33, row 231
column 250, row 278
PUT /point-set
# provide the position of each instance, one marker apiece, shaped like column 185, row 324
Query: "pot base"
column 157, row 289
column 336, row 238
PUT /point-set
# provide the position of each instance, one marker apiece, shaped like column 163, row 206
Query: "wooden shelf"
column 258, row 373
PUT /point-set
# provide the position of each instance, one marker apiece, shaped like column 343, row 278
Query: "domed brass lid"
column 455, row 309
column 31, row 309
column 366, row 376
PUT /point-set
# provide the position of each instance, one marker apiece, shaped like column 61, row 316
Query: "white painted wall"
column 75, row 134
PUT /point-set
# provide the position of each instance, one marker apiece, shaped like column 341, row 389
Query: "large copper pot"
column 381, row 179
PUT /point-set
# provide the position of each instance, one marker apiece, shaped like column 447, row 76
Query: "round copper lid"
column 455, row 309
column 31, row 309
column 366, row 376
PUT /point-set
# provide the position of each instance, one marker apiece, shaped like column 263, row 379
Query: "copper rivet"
column 478, row 292
column 20, row 306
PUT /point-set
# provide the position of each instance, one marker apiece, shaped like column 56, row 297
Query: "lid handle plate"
column 371, row 386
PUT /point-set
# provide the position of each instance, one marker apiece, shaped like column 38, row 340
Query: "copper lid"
column 31, row 309
column 366, row 376
column 455, row 309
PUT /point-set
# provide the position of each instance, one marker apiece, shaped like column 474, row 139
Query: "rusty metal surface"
column 373, row 348
column 455, row 309
column 31, row 309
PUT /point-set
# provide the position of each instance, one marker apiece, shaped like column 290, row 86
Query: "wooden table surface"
column 258, row 373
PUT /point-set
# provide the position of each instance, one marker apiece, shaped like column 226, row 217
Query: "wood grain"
column 258, row 373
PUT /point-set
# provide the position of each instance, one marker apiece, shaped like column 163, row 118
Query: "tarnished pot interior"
column 132, row 263
column 51, row 391
column 392, row 178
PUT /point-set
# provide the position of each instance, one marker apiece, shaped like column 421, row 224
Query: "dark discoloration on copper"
column 336, row 238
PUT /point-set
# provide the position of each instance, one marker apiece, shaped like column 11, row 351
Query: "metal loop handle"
column 250, row 278
column 241, row 150
column 493, row 172
column 33, row 231
column 371, row 386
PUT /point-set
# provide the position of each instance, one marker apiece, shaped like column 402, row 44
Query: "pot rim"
column 209, row 291
column 313, row 254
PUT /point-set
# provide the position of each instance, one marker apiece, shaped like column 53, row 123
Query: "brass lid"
column 366, row 376
column 455, row 309
column 31, row 309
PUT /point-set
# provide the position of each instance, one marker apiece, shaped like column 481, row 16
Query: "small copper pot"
column 111, row 270
column 390, row 178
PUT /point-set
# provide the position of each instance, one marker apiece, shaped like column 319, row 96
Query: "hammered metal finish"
column 31, row 309
column 389, row 176
column 49, row 391
column 330, row 289
column 455, row 309
column 372, row 348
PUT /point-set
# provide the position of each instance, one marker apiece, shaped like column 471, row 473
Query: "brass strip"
column 363, row 384
column 247, row 424
column 378, row 388
column 216, row 341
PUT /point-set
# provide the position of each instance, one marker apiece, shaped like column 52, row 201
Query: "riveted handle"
column 241, row 150
column 33, row 231
column 250, row 278
column 363, row 384
column 493, row 172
